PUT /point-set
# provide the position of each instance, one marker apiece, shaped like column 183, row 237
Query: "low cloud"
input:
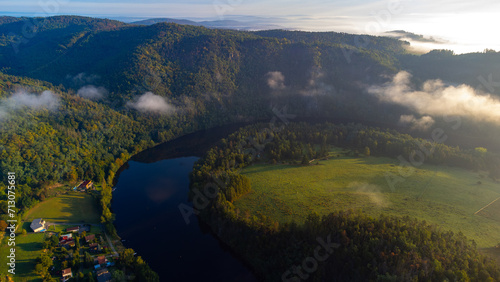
column 275, row 80
column 83, row 78
column 372, row 191
column 437, row 99
column 151, row 103
column 409, row 36
column 316, row 87
column 92, row 92
column 423, row 123
column 22, row 98
column 46, row 100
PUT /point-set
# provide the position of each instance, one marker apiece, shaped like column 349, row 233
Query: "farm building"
column 66, row 236
column 38, row 225
column 87, row 184
column 66, row 274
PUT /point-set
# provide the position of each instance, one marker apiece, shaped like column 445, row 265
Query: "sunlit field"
column 74, row 207
column 28, row 248
column 448, row 197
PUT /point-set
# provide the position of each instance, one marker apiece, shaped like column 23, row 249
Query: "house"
column 100, row 261
column 66, row 274
column 89, row 238
column 38, row 225
column 66, row 236
column 67, row 244
column 73, row 229
column 95, row 247
column 86, row 185
column 103, row 275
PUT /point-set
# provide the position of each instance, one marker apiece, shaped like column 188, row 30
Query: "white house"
column 38, row 225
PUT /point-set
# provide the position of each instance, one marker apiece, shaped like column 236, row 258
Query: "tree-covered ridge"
column 340, row 38
column 124, row 56
column 359, row 248
column 225, row 75
column 7, row 19
column 79, row 139
column 480, row 70
column 227, row 68
column 292, row 142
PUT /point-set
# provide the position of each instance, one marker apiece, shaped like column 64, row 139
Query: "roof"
column 66, row 271
column 101, row 259
column 73, row 228
column 90, row 237
column 86, row 183
column 102, row 271
column 93, row 245
column 37, row 224
column 104, row 276
column 66, row 241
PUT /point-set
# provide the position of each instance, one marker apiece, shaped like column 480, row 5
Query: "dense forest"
column 81, row 137
column 356, row 247
column 79, row 96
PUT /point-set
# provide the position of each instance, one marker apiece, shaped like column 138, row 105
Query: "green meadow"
column 74, row 207
column 446, row 196
column 28, row 248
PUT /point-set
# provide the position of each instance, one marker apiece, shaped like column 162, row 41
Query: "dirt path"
column 486, row 206
column 115, row 253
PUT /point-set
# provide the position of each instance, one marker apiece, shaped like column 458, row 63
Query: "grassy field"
column 445, row 196
column 492, row 210
column 73, row 207
column 28, row 248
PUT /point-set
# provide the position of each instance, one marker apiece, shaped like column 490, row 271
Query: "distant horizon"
column 375, row 22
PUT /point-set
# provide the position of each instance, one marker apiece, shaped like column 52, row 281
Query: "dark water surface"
column 148, row 192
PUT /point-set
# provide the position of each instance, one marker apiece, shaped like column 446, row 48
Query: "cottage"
column 101, row 260
column 66, row 274
column 86, row 185
column 38, row 225
column 103, row 275
column 66, row 237
column 73, row 229
column 89, row 238
column 67, row 244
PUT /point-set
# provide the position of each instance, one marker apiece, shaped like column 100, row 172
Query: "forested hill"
column 183, row 58
column 101, row 74
column 79, row 96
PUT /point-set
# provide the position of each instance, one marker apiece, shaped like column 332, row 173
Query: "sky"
column 465, row 26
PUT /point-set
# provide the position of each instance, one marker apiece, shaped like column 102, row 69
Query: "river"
column 149, row 190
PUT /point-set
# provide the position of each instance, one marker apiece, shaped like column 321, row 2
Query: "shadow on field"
column 30, row 247
column 270, row 167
